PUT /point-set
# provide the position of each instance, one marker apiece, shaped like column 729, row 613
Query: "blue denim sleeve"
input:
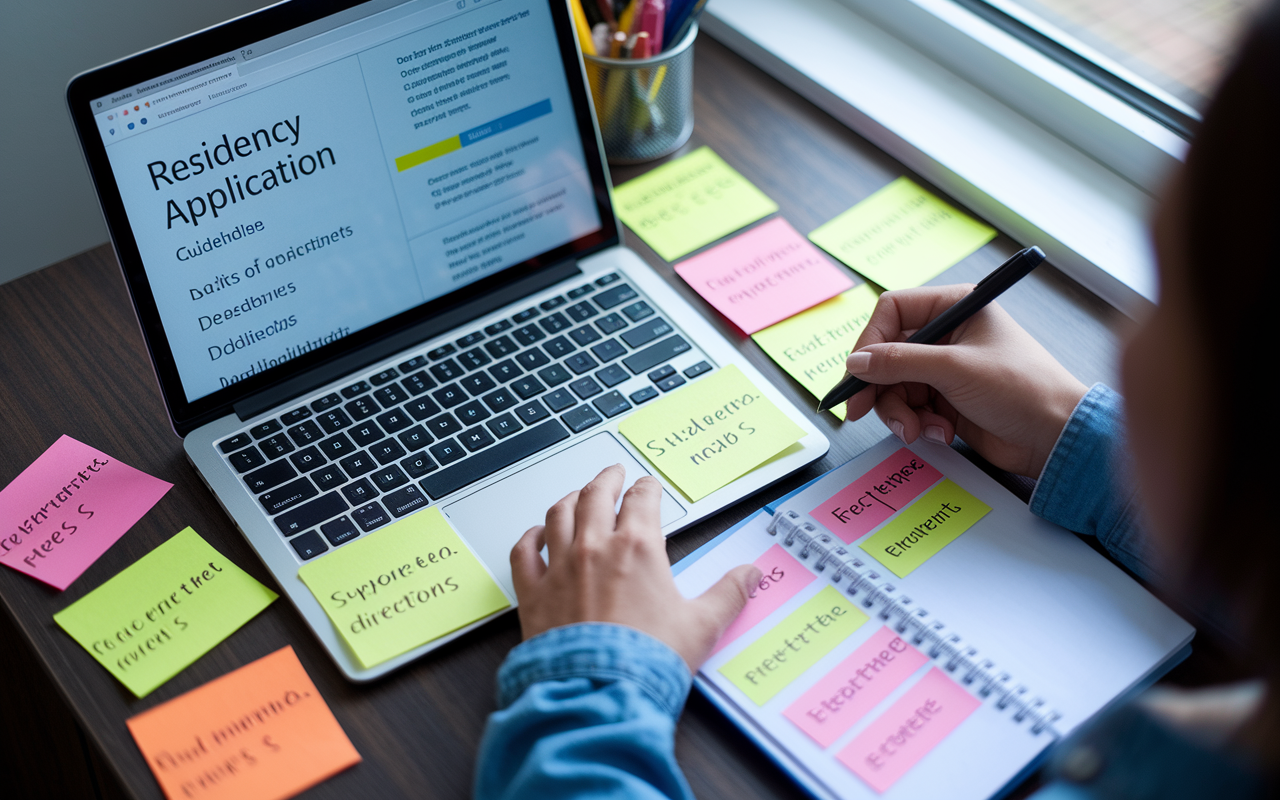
column 1086, row 485
column 585, row 711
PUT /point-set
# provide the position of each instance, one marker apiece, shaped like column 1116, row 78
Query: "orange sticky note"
column 262, row 732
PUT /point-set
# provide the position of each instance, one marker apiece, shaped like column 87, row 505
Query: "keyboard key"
column 388, row 374
column 532, row 359
column 662, row 372
column 638, row 311
column 415, row 438
column 525, row 316
column 471, row 413
column 339, row 531
column 392, row 395
column 295, row 416
column 417, row 383
column 477, row 383
column 247, row 459
column 581, row 418
column 584, row 335
column 270, row 476
column 360, row 492
column 473, row 359
column 608, row 350
column 362, row 408
column 287, row 496
column 615, row 296
column 605, row 280
column 527, row 335
column 311, row 514
column 697, row 369
column 337, row 446
column 558, row 347
column 408, row 499
column 387, row 450
column 443, row 425
column 585, row 288
column 527, row 387
column 673, row 382
column 422, row 408
column 307, row 459
column 441, row 351
column 357, row 388
column 449, row 396
column 611, row 404
column 497, row 327
column 643, row 395
column 580, row 363
column 418, row 464
column 366, row 433
column 643, row 334
column 327, row 402
column 554, row 375
column 505, row 370
column 264, row 429
column 327, row 478
column 655, row 354
column 503, row 426
column 333, row 421
column 308, row 545
column 476, row 439
column 559, row 400
column 275, row 446
column 502, row 455
column 370, row 516
column 529, row 413
column 581, row 312
column 446, row 452
column 610, row 324
column 554, row 323
column 394, row 420
column 473, row 338
column 235, row 443
column 585, row 387
column 305, row 433
column 417, row 362
column 447, row 370
column 390, row 477
column 500, row 400
column 612, row 375
column 502, row 346
column 555, row 302
column 358, row 464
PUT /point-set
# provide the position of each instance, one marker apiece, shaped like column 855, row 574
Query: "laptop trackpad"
column 494, row 518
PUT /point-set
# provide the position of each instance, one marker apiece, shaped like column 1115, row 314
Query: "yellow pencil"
column 581, row 26
column 628, row 14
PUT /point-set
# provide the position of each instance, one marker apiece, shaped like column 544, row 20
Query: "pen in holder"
column 644, row 105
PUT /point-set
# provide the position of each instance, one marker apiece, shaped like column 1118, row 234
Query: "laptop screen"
column 304, row 187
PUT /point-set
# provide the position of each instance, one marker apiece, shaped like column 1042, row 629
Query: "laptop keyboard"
column 347, row 463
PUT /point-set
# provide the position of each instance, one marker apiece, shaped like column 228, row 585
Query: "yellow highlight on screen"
column 925, row 527
column 411, row 160
column 780, row 656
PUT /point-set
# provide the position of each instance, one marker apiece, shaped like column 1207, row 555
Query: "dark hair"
column 1232, row 213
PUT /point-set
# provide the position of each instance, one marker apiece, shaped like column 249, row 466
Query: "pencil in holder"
column 644, row 106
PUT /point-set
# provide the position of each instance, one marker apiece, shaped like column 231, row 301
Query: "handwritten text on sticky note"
column 401, row 587
column 769, row 664
column 924, row 528
column 855, row 686
column 164, row 611
column 884, row 490
column 763, row 276
column 812, row 345
column 687, row 203
column 781, row 577
column 901, row 236
column 68, row 507
column 704, row 435
column 260, row 733
column 908, row 731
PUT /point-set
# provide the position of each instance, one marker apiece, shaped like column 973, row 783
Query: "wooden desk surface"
column 73, row 362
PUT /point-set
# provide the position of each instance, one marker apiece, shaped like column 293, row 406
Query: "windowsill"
column 1018, row 176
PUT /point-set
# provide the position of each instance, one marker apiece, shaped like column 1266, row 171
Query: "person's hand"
column 613, row 568
column 989, row 382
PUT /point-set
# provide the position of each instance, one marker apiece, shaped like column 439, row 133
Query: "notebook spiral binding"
column 805, row 539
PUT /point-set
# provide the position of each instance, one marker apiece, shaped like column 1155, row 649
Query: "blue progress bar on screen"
column 476, row 134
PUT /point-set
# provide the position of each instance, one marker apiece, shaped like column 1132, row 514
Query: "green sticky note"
column 690, row 202
column 401, row 587
column 704, row 435
column 163, row 612
column 780, row 656
column 901, row 236
column 926, row 526
column 812, row 345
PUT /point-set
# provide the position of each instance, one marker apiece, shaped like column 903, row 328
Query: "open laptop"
column 372, row 250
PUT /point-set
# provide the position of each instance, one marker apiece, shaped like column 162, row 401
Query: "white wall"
column 48, row 210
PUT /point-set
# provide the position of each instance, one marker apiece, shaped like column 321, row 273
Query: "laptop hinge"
column 286, row 390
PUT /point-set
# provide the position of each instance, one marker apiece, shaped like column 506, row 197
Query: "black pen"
column 988, row 289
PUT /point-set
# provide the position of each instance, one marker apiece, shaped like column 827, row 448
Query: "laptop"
column 373, row 253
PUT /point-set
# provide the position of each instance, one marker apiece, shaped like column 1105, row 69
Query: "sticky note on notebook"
column 262, row 732
column 401, row 587
column 68, row 507
column 781, row 578
column 902, row 236
column 164, row 611
column 689, row 202
column 763, row 276
column 704, row 435
column 812, row 345
column 883, row 491
column 925, row 527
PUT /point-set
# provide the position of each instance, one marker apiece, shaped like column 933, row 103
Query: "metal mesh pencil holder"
column 645, row 106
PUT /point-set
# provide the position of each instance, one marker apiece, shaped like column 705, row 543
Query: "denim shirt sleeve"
column 1086, row 484
column 585, row 711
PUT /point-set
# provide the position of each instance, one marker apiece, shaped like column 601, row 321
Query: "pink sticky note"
column 783, row 577
column 68, row 507
column 764, row 276
column 877, row 495
column 908, row 731
column 855, row 686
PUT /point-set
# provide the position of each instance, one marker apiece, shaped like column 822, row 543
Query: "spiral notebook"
column 918, row 633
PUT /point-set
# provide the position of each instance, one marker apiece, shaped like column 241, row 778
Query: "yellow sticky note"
column 402, row 586
column 704, row 435
column 901, row 236
column 164, row 611
column 690, row 202
column 812, row 345
column 781, row 655
column 924, row 528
